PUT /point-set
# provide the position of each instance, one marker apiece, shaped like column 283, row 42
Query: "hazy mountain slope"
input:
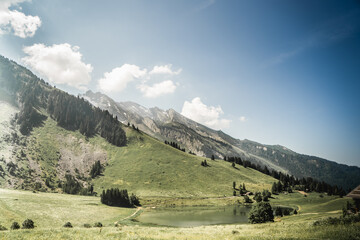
column 172, row 126
column 305, row 165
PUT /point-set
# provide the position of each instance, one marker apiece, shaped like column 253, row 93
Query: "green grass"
column 51, row 210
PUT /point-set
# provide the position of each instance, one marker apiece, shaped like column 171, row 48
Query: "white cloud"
column 165, row 69
column 207, row 115
column 60, row 64
column 158, row 89
column 243, row 119
column 13, row 21
column 118, row 78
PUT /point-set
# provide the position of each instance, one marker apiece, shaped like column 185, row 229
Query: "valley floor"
column 50, row 212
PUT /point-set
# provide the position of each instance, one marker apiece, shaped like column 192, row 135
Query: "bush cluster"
column 15, row 226
column 28, row 224
column 98, row 224
column 119, row 198
column 68, row 225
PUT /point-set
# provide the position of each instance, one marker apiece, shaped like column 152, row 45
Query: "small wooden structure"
column 355, row 195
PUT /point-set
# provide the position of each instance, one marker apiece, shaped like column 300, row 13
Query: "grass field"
column 50, row 211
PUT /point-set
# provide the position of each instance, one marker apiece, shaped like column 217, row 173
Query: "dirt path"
column 137, row 210
column 303, row 193
column 336, row 211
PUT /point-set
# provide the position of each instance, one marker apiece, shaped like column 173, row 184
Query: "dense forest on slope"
column 33, row 96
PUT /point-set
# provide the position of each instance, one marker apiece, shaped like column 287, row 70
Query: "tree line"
column 288, row 182
column 175, row 145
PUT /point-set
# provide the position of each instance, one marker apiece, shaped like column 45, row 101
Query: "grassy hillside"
column 145, row 166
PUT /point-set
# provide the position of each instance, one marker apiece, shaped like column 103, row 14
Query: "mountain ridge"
column 206, row 142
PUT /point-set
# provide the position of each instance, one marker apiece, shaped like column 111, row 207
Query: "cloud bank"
column 207, row 115
column 157, row 89
column 59, row 64
column 13, row 21
column 118, row 79
column 165, row 69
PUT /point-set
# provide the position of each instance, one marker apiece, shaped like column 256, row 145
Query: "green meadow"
column 50, row 211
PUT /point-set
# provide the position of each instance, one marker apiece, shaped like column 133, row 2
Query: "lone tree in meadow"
column 266, row 195
column 274, row 188
column 28, row 224
column 278, row 212
column 261, row 213
column 15, row 226
column 258, row 197
column 96, row 169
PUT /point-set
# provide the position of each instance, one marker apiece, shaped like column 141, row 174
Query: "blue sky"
column 276, row 72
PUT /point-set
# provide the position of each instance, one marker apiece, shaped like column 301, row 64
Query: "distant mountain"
column 172, row 126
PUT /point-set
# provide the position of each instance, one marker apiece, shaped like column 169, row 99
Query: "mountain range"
column 170, row 126
column 49, row 138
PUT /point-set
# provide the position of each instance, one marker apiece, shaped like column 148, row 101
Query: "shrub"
column 2, row 228
column 98, row 224
column 278, row 212
column 86, row 225
column 247, row 199
column 96, row 169
column 15, row 226
column 260, row 213
column 28, row 224
column 135, row 200
column 286, row 212
column 266, row 195
column 68, row 225
column 258, row 197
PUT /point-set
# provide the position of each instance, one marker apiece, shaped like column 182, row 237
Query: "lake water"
column 195, row 216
